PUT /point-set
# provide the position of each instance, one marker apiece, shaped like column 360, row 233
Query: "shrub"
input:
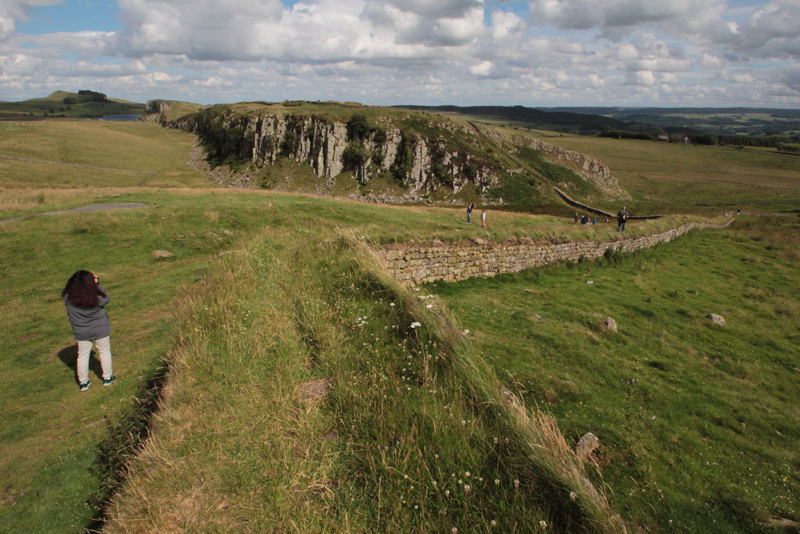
column 290, row 143
column 357, row 126
column 355, row 156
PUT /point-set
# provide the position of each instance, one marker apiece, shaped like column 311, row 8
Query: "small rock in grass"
column 610, row 323
column 315, row 390
column 781, row 522
column 716, row 319
column 161, row 254
column 587, row 444
column 228, row 233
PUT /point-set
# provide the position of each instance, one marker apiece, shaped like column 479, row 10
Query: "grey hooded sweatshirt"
column 89, row 324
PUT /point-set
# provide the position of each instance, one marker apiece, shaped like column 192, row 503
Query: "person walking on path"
column 622, row 217
column 469, row 210
column 483, row 218
column 86, row 299
column 576, row 216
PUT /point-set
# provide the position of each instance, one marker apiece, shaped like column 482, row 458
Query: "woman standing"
column 85, row 299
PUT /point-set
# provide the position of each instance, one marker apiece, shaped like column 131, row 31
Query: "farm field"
column 241, row 322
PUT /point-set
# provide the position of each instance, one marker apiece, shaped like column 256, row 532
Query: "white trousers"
column 85, row 348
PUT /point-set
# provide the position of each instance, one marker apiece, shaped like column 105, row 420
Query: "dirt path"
column 75, row 165
column 86, row 209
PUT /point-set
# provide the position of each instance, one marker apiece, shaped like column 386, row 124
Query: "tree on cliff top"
column 84, row 95
column 358, row 126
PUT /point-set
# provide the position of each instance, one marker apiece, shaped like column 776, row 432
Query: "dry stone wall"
column 415, row 263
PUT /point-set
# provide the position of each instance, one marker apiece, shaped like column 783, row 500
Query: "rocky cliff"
column 423, row 163
column 422, row 152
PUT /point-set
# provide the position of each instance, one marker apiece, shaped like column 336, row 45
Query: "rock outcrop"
column 155, row 111
column 421, row 152
column 423, row 162
column 590, row 169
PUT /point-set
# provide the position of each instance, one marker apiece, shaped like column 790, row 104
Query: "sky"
column 535, row 53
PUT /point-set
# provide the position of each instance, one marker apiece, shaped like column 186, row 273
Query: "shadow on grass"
column 127, row 432
column 69, row 356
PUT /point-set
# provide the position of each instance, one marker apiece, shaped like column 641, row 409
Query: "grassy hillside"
column 698, row 422
column 53, row 106
column 64, row 150
column 529, row 118
column 252, row 324
column 443, row 150
column 675, row 178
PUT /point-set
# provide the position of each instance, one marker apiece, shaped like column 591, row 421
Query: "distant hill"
column 720, row 121
column 536, row 119
column 57, row 96
column 65, row 104
column 593, row 120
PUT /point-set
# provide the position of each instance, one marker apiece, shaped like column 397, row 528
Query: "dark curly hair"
column 82, row 290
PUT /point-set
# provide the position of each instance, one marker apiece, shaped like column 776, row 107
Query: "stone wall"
column 415, row 263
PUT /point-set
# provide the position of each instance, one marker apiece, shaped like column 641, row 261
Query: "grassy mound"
column 335, row 400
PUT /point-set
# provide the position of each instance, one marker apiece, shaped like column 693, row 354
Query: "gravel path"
column 86, row 209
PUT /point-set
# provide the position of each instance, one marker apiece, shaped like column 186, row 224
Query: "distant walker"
column 622, row 218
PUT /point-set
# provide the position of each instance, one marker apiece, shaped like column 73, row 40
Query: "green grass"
column 413, row 435
column 698, row 422
column 179, row 109
column 40, row 253
column 53, row 106
column 673, row 178
column 291, row 300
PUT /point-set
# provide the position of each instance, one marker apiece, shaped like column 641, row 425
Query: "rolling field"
column 674, row 178
column 242, row 322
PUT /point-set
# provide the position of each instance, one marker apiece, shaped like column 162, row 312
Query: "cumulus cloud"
column 204, row 29
column 642, row 77
column 484, row 68
column 594, row 80
column 772, row 31
column 660, row 65
column 791, row 77
column 13, row 10
column 395, row 51
column 436, row 9
column 612, row 16
column 506, row 25
column 710, row 62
